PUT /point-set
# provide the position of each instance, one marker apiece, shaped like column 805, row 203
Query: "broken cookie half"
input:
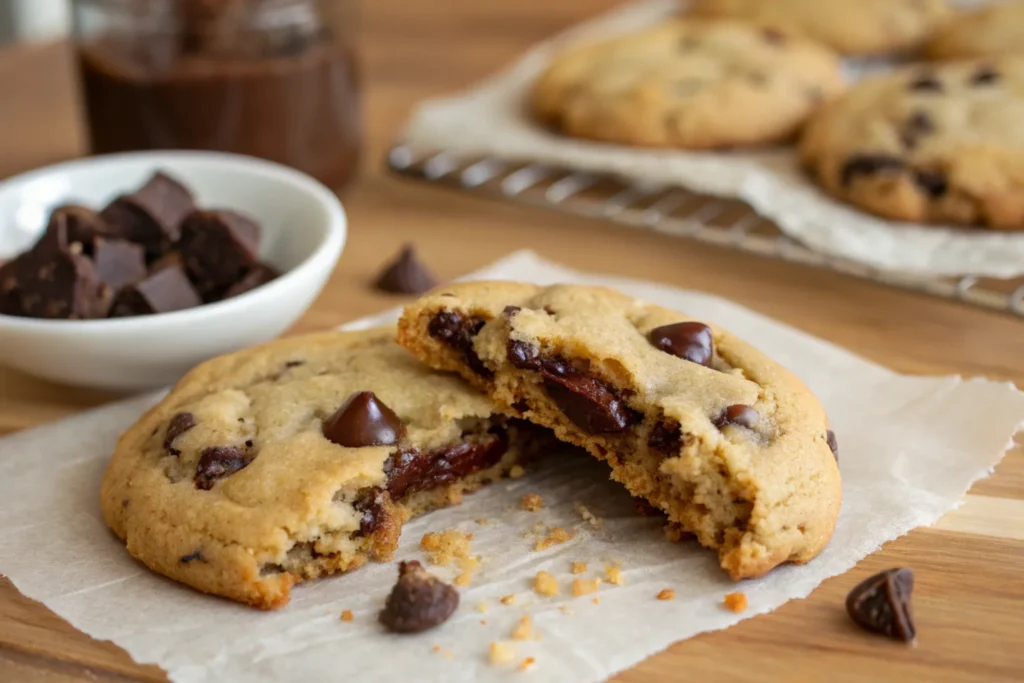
column 724, row 440
column 298, row 459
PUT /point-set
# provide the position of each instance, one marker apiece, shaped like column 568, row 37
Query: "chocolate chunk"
column 118, row 262
column 178, row 425
column 925, row 82
column 522, row 355
column 363, row 420
column 84, row 226
column 869, row 164
column 881, row 604
column 666, row 438
column 165, row 291
column 152, row 215
column 549, row 310
column 419, row 601
column 219, row 248
column 219, row 462
column 833, row 443
column 196, row 556
column 919, row 124
column 690, row 341
column 510, row 311
column 741, row 415
column 457, row 331
column 933, row 183
column 411, row 470
column 406, row 274
column 773, row 36
column 589, row 403
column 373, row 504
column 984, row 75
column 294, row 363
column 260, row 275
column 171, row 258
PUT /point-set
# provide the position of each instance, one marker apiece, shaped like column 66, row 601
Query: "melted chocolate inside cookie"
column 458, row 331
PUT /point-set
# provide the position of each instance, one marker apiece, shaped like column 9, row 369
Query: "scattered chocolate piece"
column 196, row 556
column 260, row 275
column 363, row 420
column 118, row 262
column 985, row 75
column 458, row 331
column 374, row 504
column 741, row 415
column 219, row 248
column 833, row 443
column 178, row 425
column 926, row 82
column 419, row 601
column 162, row 292
column 690, row 341
column 869, row 164
column 152, row 215
column 406, row 274
column 881, row 604
column 218, row 462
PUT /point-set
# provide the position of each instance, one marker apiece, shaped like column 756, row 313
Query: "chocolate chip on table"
column 881, row 604
column 219, row 248
column 178, row 425
column 419, row 601
column 196, row 556
column 406, row 274
column 690, row 341
column 260, row 275
column 741, row 415
column 118, row 262
column 984, row 75
column 458, row 331
column 152, row 215
column 869, row 164
column 219, row 462
column 833, row 443
column 162, row 292
column 363, row 420
column 926, row 82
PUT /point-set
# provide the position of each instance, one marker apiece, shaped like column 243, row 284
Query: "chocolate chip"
column 363, row 420
column 741, row 415
column 458, row 331
column 219, row 248
column 510, row 311
column 248, row 443
column 773, row 36
column 588, row 403
column 258, row 275
column 690, row 341
column 152, row 215
column 219, row 462
column 373, row 504
column 118, row 262
column 666, row 437
column 833, row 443
column 406, row 274
column 881, row 604
column 178, row 425
column 196, row 556
column 984, row 75
column 294, row 363
column 925, row 83
column 869, row 164
column 411, row 469
column 162, row 292
column 419, row 601
column 916, row 126
column 84, row 226
column 933, row 183
column 522, row 355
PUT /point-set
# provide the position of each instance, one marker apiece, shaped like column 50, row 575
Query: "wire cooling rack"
column 674, row 211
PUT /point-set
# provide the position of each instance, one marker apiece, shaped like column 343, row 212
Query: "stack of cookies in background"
column 936, row 138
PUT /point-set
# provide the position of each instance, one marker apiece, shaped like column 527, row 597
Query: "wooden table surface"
column 969, row 597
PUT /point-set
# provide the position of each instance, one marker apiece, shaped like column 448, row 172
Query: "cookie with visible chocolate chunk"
column 854, row 27
column 298, row 459
column 933, row 143
column 688, row 83
column 691, row 419
column 990, row 31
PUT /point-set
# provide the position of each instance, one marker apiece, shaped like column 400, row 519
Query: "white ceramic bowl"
column 303, row 232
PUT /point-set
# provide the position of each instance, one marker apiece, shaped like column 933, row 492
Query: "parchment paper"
column 909, row 448
column 492, row 119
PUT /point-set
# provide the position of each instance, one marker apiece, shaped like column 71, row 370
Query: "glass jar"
column 275, row 79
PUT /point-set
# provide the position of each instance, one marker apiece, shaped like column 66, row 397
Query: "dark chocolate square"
column 162, row 292
column 152, row 215
column 219, row 248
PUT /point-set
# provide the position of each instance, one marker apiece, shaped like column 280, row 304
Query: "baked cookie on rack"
column 688, row 83
column 698, row 423
column 990, row 31
column 300, row 458
column 937, row 143
column 852, row 27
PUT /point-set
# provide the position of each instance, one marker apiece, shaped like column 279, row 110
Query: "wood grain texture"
column 969, row 597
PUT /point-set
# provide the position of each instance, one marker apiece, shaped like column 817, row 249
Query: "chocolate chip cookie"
column 985, row 32
column 298, row 459
column 688, row 83
column 853, row 27
column 937, row 143
column 700, row 424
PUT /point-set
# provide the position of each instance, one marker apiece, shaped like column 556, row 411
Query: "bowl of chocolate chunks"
column 122, row 272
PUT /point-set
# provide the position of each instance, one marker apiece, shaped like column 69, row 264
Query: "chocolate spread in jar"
column 268, row 78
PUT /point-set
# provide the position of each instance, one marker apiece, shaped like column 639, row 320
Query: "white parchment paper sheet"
column 909, row 448
column 491, row 119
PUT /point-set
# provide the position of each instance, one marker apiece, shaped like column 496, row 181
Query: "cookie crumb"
column 516, row 471
column 666, row 594
column 532, row 502
column 347, row 615
column 448, row 654
column 565, row 609
column 596, row 600
column 555, row 536
column 483, row 622
column 483, row 522
column 523, row 630
column 501, row 653
column 463, row 579
column 481, row 607
column 527, row 663
column 508, row 599
column 545, row 584
column 614, row 575
column 579, row 567
column 584, row 587
column 418, row 601
column 589, row 517
column 444, row 546
column 737, row 602
column 436, row 648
